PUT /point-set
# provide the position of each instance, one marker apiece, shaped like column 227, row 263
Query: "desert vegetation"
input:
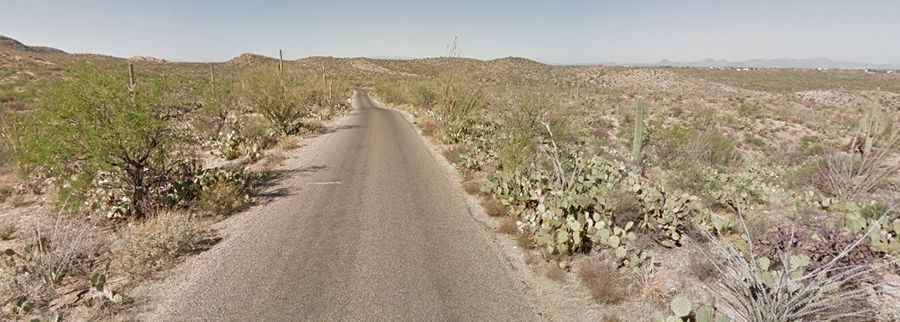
column 779, row 186
column 785, row 181
column 112, row 170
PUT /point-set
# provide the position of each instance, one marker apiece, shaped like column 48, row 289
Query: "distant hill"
column 6, row 42
column 809, row 63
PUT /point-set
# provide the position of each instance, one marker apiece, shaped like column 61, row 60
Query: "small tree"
column 91, row 124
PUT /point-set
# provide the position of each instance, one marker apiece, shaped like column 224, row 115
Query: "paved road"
column 376, row 232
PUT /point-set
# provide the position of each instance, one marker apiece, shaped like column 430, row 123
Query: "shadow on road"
column 268, row 186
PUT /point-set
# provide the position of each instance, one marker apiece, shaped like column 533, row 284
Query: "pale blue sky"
column 551, row 31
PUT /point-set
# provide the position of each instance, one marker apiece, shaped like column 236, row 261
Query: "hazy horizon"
column 572, row 33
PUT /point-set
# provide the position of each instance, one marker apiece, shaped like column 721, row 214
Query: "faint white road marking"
column 326, row 183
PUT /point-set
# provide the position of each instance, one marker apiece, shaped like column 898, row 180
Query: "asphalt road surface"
column 370, row 229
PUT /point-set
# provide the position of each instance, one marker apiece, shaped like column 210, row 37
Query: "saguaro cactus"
column 640, row 132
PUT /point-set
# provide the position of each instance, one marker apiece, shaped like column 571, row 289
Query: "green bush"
column 277, row 98
column 224, row 191
column 92, row 124
column 459, row 104
column 218, row 102
column 677, row 146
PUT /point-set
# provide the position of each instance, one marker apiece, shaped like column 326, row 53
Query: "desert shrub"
column 458, row 105
column 7, row 231
column 391, row 93
column 752, row 289
column 429, row 128
column 701, row 268
column 28, row 279
column 507, row 225
column 606, row 284
column 156, row 243
column 472, row 186
column 277, row 98
column 679, row 145
column 455, row 153
column 221, row 198
column 218, row 102
column 67, row 248
column 256, row 135
column 810, row 146
column 520, row 132
column 5, row 193
column 424, row 97
column 223, row 191
column 555, row 273
column 868, row 165
column 493, row 207
column 92, row 124
column 750, row 109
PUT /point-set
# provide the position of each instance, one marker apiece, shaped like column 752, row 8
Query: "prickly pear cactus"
column 667, row 214
column 682, row 310
column 620, row 241
column 884, row 231
column 794, row 265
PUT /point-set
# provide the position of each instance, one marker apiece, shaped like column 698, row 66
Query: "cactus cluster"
column 621, row 241
column 667, row 214
column 563, row 220
column 884, row 231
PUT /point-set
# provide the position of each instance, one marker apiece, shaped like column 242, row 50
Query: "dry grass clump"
column 454, row 154
column 701, row 268
column 7, row 231
column 222, row 198
column 507, row 226
column 315, row 127
column 493, row 207
column 5, row 193
column 67, row 248
column 554, row 273
column 29, row 276
column 606, row 284
column 611, row 318
column 523, row 241
column 157, row 243
column 429, row 128
column 272, row 161
column 288, row 143
column 472, row 187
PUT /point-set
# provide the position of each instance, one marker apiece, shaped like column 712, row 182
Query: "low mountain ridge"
column 7, row 42
column 807, row 63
